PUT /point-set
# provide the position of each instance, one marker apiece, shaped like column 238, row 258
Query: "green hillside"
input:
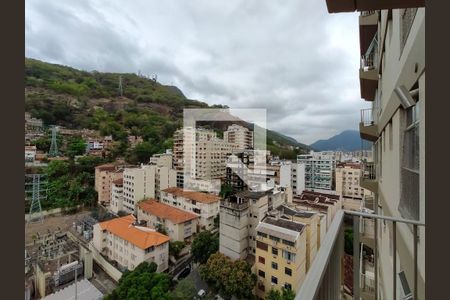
column 73, row 98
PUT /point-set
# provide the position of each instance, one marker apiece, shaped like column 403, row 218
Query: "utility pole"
column 53, row 152
column 36, row 196
column 120, row 86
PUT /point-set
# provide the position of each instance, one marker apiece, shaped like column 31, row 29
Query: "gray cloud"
column 290, row 57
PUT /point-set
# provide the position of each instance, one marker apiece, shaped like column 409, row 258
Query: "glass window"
column 262, row 274
column 274, row 280
column 262, row 260
column 288, row 271
column 274, row 251
column 274, row 266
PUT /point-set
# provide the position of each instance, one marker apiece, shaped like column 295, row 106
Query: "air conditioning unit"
column 405, row 290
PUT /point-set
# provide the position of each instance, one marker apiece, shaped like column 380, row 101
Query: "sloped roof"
column 165, row 211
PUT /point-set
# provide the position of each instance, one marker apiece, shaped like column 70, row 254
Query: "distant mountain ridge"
column 348, row 140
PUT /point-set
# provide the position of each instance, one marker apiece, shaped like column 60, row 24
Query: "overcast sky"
column 288, row 56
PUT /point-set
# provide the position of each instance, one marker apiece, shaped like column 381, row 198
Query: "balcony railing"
column 324, row 278
column 368, row 13
column 367, row 117
column 368, row 171
column 369, row 60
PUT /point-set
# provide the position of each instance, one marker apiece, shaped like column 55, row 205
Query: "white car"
column 201, row 293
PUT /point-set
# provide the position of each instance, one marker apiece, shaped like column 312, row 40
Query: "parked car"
column 184, row 273
column 201, row 293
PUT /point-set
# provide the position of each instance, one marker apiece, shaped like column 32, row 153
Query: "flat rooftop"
column 291, row 211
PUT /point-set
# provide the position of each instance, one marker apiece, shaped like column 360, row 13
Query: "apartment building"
column 104, row 176
column 239, row 135
column 280, row 255
column 179, row 224
column 161, row 160
column 327, row 204
column 297, row 178
column 205, row 205
column 319, row 170
column 348, row 185
column 123, row 241
column 392, row 81
column 312, row 221
column 201, row 152
column 144, row 182
column 116, row 203
column 240, row 213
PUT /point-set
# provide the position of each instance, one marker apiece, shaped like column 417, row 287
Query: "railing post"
column 356, row 262
column 415, row 261
column 394, row 257
column 375, row 257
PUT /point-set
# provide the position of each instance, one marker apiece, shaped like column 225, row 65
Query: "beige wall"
column 399, row 69
column 176, row 232
column 103, row 182
column 127, row 254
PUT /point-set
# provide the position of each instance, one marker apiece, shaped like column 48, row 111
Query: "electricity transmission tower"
column 120, row 86
column 35, row 190
column 53, row 152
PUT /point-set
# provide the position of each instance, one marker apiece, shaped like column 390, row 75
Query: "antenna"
column 34, row 186
column 120, row 86
column 53, row 152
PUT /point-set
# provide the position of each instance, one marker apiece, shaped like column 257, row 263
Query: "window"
column 288, row 286
column 274, row 266
column 261, row 274
column 261, row 245
column 262, row 260
column 409, row 197
column 274, row 280
column 261, row 234
column 407, row 19
column 274, row 238
column 290, row 257
column 289, row 243
column 274, row 251
column 288, row 271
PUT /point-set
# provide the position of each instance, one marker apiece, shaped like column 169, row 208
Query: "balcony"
column 368, row 72
column 336, row 275
column 368, row 178
column 368, row 130
column 368, row 27
column 337, row 6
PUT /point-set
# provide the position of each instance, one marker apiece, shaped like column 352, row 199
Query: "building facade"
column 240, row 136
column 128, row 244
column 206, row 206
column 179, row 224
column 319, row 170
column 144, row 182
column 280, row 255
column 348, row 185
column 104, row 176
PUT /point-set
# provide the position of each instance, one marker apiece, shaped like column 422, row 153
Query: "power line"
column 35, row 188
column 53, row 152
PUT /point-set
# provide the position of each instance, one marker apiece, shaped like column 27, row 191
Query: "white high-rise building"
column 319, row 170
column 145, row 182
column 239, row 135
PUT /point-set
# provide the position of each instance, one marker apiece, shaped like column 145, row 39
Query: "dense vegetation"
column 230, row 278
column 142, row 283
column 203, row 246
column 69, row 183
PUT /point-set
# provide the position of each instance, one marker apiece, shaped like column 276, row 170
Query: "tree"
column 204, row 244
column 176, row 247
column 185, row 290
column 285, row 294
column 75, row 146
column 225, row 190
column 229, row 277
column 142, row 283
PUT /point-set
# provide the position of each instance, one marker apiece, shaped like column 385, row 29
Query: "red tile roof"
column 141, row 237
column 197, row 196
column 164, row 211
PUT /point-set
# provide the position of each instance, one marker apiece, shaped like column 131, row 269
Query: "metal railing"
column 368, row 13
column 324, row 279
column 369, row 60
column 368, row 171
column 367, row 117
